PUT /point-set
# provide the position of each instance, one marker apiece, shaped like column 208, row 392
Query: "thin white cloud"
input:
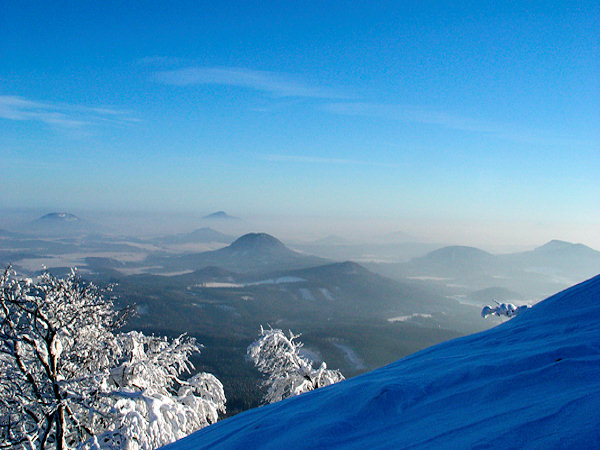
column 420, row 115
column 273, row 83
column 412, row 114
column 21, row 109
column 59, row 115
column 320, row 160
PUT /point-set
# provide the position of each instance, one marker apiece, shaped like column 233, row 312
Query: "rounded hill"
column 257, row 241
column 59, row 217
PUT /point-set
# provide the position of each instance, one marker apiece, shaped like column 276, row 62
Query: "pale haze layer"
column 459, row 123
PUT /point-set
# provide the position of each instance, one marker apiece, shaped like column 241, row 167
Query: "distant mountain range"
column 559, row 258
column 458, row 272
column 555, row 258
column 538, row 272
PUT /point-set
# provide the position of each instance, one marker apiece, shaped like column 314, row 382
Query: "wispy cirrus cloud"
column 273, row 83
column 425, row 116
column 406, row 113
column 60, row 115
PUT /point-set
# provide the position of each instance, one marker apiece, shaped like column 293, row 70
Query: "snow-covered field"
column 307, row 295
column 325, row 292
column 429, row 278
column 532, row 382
column 280, row 280
column 350, row 355
column 409, row 317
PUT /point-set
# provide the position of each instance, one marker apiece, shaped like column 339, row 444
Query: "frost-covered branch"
column 70, row 379
column 503, row 310
column 287, row 373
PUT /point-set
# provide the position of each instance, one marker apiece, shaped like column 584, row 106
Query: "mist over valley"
column 356, row 315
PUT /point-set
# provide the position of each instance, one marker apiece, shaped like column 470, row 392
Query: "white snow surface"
column 326, row 294
column 409, row 317
column 531, row 382
column 280, row 280
column 307, row 295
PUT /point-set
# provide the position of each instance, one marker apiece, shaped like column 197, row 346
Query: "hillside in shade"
column 531, row 382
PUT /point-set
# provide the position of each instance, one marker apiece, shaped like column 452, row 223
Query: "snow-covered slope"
column 531, row 382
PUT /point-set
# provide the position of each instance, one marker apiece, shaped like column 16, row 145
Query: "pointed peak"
column 556, row 243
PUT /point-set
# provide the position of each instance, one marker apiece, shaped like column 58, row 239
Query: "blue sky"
column 415, row 112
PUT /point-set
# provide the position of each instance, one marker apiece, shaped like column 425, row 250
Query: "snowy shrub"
column 69, row 379
column 503, row 310
column 287, row 373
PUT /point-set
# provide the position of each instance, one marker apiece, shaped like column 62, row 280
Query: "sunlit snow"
column 409, row 317
column 221, row 284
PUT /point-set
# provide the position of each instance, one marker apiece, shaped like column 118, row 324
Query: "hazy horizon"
column 458, row 123
column 296, row 229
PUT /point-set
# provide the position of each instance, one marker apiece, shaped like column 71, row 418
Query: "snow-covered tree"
column 287, row 372
column 503, row 310
column 70, row 379
column 147, row 411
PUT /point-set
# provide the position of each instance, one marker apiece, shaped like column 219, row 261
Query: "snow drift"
column 533, row 381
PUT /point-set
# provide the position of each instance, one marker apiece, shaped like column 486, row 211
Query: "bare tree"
column 288, row 373
column 70, row 379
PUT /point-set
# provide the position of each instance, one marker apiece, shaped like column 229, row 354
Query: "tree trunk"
column 61, row 444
